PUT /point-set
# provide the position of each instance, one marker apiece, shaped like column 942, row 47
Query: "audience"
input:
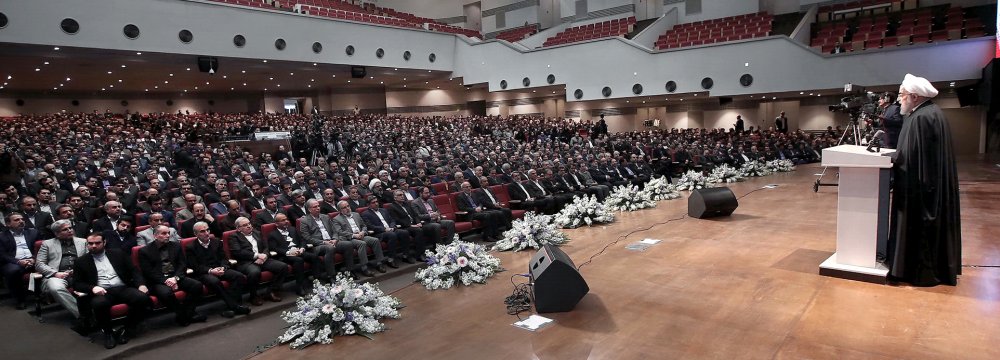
column 103, row 175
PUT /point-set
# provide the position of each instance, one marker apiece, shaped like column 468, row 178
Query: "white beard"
column 904, row 110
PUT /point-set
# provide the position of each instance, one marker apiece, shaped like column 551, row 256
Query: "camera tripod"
column 855, row 130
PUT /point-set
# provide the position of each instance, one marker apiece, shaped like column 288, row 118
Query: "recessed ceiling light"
column 156, row 86
column 188, row 69
column 147, row 89
column 140, row 53
column 348, row 81
column 548, row 66
column 428, row 71
column 232, row 88
column 334, row 75
column 404, row 79
column 171, row 75
column 123, row 66
column 67, row 79
column 102, row 89
column 314, row 64
column 426, row 82
column 37, row 69
column 644, row 101
column 291, row 73
column 438, row 87
column 225, row 77
column 265, row 89
column 309, row 86
column 244, row 71
column 801, row 92
column 111, row 86
column 774, row 98
column 166, row 82
column 532, row 90
column 270, row 78
column 746, row 64
column 45, row 63
column 818, row 95
column 312, row 80
column 119, row 80
column 9, row 77
column 695, row 94
column 196, row 88
column 810, row 94
column 279, row 85
column 56, row 48
column 635, row 73
column 395, row 69
column 265, row 60
column 381, row 82
column 244, row 84
column 371, row 77
column 54, row 88
column 185, row 90
column 206, row 83
column 404, row 85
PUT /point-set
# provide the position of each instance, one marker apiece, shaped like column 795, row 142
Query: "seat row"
column 740, row 27
column 616, row 27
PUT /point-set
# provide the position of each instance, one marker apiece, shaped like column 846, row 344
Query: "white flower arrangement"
column 659, row 189
column 341, row 308
column 754, row 168
column 781, row 165
column 693, row 180
column 727, row 174
column 531, row 231
column 628, row 198
column 584, row 210
column 458, row 262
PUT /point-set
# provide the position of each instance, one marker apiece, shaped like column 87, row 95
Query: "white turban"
column 918, row 85
column 372, row 183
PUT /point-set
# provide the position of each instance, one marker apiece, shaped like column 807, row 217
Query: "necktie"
column 384, row 223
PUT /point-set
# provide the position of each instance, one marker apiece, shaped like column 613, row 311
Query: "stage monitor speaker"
column 711, row 202
column 208, row 64
column 558, row 287
column 358, row 72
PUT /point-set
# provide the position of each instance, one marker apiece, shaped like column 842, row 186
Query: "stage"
column 739, row 287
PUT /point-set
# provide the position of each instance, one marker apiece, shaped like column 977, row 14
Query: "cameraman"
column 892, row 120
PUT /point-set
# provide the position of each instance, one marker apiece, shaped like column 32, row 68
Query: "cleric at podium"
column 925, row 238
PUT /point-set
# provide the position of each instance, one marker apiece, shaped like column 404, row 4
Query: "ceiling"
column 69, row 71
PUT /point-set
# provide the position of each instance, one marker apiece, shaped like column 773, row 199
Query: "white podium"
column 862, row 212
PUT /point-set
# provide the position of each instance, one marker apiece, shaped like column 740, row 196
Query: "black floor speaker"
column 711, row 202
column 557, row 284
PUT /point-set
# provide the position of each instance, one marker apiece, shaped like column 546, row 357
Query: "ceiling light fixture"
column 139, row 53
column 291, row 74
column 265, row 60
column 37, row 69
column 45, row 63
column 244, row 71
column 123, row 66
column 67, row 79
column 188, row 69
column 56, row 48
column 314, row 64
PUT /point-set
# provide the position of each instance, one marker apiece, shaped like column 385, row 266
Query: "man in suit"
column 382, row 226
column 539, row 191
column 148, row 236
column 55, row 261
column 423, row 235
column 165, row 271
column 298, row 208
column 256, row 200
column 80, row 228
column 329, row 202
column 428, row 213
column 269, row 214
column 490, row 201
column 520, row 193
column 253, row 256
column 35, row 219
column 320, row 235
column 122, row 237
column 352, row 229
column 112, row 213
column 227, row 221
column 209, row 265
column 287, row 245
column 109, row 277
column 156, row 206
column 575, row 182
column 491, row 219
column 187, row 211
column 17, row 256
column 187, row 227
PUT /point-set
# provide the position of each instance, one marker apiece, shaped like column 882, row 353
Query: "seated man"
column 287, row 246
column 109, row 278
column 17, row 247
column 490, row 201
column 383, row 227
column 351, row 229
column 165, row 271
column 491, row 219
column 253, row 256
column 122, row 237
column 319, row 236
column 427, row 211
column 210, row 266
column 269, row 213
column 55, row 262
column 147, row 236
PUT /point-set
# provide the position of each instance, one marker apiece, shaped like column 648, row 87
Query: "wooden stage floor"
column 741, row 287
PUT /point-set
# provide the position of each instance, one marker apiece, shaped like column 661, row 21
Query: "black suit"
column 201, row 259
column 264, row 217
column 155, row 271
column 13, row 272
column 280, row 244
column 491, row 219
column 294, row 213
column 41, row 221
column 407, row 219
column 518, row 192
column 398, row 240
column 242, row 251
column 187, row 228
column 116, row 240
column 85, row 279
column 485, row 197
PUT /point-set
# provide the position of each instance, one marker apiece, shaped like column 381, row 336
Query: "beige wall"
column 8, row 106
column 965, row 128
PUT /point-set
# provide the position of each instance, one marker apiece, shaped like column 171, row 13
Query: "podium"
column 862, row 212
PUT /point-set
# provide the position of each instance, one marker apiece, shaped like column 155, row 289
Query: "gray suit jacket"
column 344, row 228
column 50, row 254
column 145, row 237
column 418, row 206
column 310, row 229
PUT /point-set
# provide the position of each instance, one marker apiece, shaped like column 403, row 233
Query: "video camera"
column 857, row 101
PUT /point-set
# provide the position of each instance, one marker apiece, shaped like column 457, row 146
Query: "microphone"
column 876, row 141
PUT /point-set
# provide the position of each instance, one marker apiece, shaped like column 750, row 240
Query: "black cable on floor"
column 620, row 238
column 520, row 299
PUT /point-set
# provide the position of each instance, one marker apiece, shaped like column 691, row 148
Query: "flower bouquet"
column 628, row 198
column 780, row 165
column 693, row 180
column 341, row 308
column 659, row 189
column 726, row 174
column 584, row 210
column 754, row 168
column 531, row 231
column 459, row 261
